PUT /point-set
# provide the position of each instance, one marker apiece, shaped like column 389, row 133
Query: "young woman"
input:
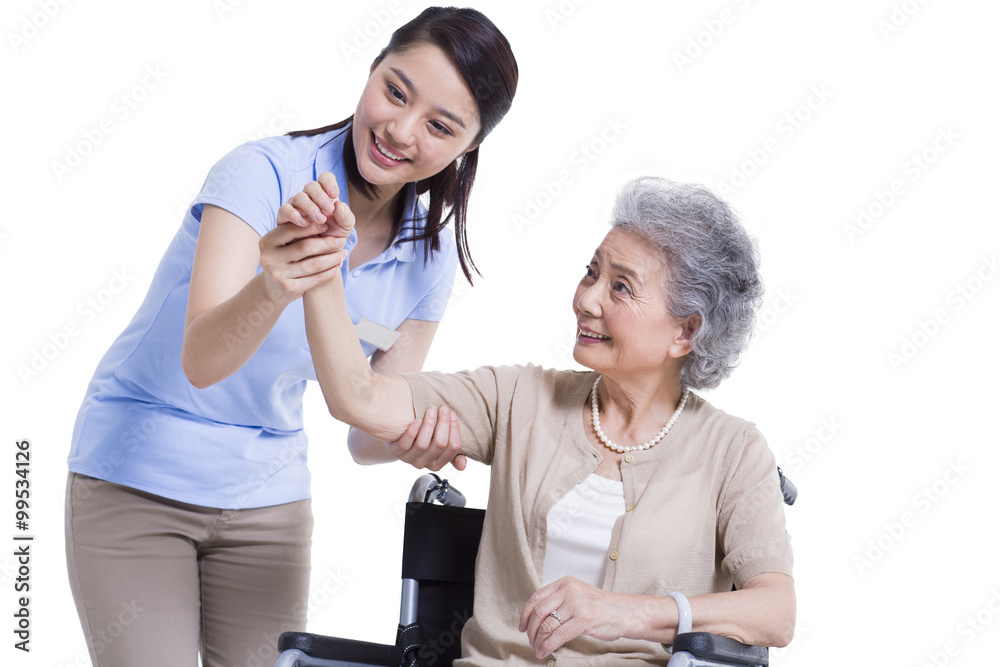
column 187, row 510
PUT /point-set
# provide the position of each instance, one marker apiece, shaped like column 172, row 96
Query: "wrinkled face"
column 623, row 327
column 415, row 116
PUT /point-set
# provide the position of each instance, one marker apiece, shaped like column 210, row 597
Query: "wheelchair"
column 440, row 541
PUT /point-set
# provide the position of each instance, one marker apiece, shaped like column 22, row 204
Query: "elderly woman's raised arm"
column 380, row 405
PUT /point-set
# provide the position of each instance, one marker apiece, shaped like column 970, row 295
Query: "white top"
column 579, row 530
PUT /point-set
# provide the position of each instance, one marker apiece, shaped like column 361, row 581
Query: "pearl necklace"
column 606, row 441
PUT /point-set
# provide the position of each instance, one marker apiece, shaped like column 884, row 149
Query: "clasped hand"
column 568, row 608
column 306, row 248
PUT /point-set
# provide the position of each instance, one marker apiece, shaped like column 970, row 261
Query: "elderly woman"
column 613, row 488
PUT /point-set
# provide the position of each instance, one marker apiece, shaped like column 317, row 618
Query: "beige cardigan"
column 704, row 507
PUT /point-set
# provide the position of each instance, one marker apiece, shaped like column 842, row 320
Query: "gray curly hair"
column 711, row 268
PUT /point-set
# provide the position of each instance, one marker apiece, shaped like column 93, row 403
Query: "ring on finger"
column 554, row 615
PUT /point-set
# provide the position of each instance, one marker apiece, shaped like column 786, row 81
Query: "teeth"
column 589, row 334
column 383, row 151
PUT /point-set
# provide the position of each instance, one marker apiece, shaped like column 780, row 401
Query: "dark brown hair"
column 484, row 60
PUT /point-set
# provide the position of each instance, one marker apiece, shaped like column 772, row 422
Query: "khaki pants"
column 158, row 581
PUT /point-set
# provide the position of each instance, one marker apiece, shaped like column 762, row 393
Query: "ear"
column 689, row 326
column 470, row 149
column 682, row 343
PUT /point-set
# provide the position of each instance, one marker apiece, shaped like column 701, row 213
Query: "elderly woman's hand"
column 581, row 609
column 432, row 442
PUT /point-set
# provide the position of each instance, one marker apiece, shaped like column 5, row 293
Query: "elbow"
column 784, row 627
column 193, row 372
column 784, row 635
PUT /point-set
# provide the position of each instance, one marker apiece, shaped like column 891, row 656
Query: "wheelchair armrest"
column 707, row 646
column 335, row 648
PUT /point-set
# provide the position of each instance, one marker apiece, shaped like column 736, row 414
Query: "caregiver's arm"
column 226, row 291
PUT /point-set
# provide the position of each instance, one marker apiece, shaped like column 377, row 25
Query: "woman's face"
column 415, row 116
column 623, row 327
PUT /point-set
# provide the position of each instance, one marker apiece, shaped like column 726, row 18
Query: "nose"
column 402, row 129
column 588, row 300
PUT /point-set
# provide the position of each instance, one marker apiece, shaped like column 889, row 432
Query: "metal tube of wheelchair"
column 408, row 602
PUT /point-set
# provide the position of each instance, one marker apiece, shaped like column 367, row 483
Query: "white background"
column 807, row 111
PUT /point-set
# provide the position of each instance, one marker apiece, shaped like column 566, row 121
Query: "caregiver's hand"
column 432, row 442
column 583, row 610
column 319, row 202
column 296, row 259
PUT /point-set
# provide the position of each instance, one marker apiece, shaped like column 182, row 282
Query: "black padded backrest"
column 439, row 550
column 440, row 543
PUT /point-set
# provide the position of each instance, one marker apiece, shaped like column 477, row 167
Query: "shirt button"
column 357, row 272
column 614, row 555
column 551, row 663
column 628, row 458
column 630, row 508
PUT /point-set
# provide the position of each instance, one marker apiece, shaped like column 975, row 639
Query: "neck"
column 637, row 403
column 377, row 211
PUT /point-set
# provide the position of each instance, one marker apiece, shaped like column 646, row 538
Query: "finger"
column 558, row 635
column 288, row 214
column 330, row 185
column 319, row 196
column 455, row 436
column 299, row 258
column 403, row 443
column 283, row 234
column 536, row 598
column 444, row 446
column 304, row 204
column 545, row 600
column 422, row 443
column 343, row 220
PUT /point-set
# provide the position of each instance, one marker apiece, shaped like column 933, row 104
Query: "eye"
column 440, row 128
column 621, row 288
column 395, row 92
column 589, row 272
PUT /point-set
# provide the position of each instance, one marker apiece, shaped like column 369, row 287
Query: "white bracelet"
column 683, row 612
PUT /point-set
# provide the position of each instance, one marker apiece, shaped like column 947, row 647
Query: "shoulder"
column 713, row 425
column 556, row 386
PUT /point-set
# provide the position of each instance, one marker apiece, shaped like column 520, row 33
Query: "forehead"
column 435, row 80
column 630, row 251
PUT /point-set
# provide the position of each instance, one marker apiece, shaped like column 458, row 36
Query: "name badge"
column 376, row 334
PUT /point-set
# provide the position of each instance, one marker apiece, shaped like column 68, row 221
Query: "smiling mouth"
column 591, row 334
column 386, row 152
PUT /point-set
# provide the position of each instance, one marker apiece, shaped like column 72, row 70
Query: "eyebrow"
column 441, row 110
column 621, row 268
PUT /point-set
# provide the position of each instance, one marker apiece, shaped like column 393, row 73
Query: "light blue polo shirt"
column 240, row 443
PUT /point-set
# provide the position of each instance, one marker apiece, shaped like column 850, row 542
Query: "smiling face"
column 415, row 116
column 623, row 327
